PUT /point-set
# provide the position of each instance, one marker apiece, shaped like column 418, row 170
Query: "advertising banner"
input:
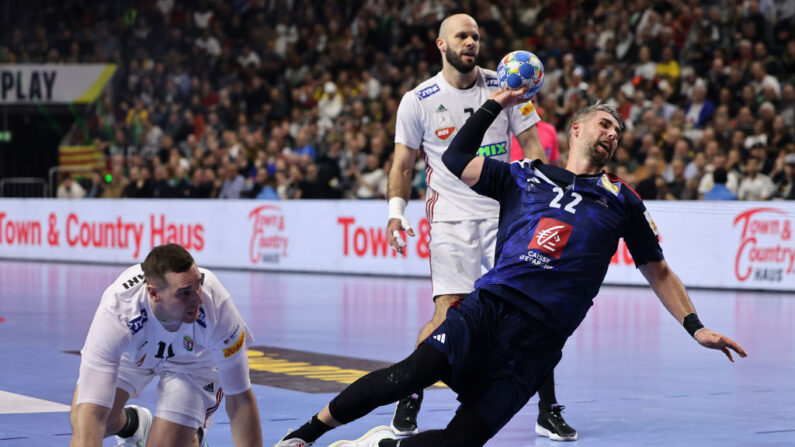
column 740, row 245
column 53, row 83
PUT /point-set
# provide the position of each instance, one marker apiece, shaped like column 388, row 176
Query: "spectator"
column 313, row 187
column 719, row 191
column 70, row 189
column 755, row 185
column 97, row 187
column 233, row 183
column 367, row 182
column 139, row 186
column 700, row 109
column 160, row 186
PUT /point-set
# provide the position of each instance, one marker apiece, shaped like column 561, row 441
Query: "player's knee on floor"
column 467, row 429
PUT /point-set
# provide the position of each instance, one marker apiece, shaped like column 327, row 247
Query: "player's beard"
column 455, row 60
column 596, row 154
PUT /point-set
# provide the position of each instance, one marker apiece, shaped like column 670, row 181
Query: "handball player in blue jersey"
column 558, row 231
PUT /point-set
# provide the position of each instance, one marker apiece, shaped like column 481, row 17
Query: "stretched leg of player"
column 550, row 421
column 404, row 421
column 467, row 429
column 424, row 367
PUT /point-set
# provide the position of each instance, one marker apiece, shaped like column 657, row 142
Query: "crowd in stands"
column 296, row 99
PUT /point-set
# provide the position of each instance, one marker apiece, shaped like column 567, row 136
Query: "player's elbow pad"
column 463, row 148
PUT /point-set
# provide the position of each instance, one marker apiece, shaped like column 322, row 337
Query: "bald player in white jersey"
column 164, row 318
column 463, row 224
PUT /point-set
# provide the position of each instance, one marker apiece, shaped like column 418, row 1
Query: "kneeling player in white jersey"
column 463, row 226
column 164, row 318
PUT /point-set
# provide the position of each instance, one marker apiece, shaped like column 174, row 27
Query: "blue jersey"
column 557, row 234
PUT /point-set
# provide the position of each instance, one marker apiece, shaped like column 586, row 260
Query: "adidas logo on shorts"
column 440, row 338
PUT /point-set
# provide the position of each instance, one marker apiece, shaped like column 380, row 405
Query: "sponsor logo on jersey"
column 610, row 186
column 137, row 323
column 133, row 281
column 202, row 320
column 230, row 351
column 441, row 108
column 491, row 81
column 551, row 236
column 231, row 336
column 427, row 91
column 187, row 343
column 141, row 361
column 652, row 225
column 491, row 150
column 445, row 132
column 209, row 387
column 527, row 108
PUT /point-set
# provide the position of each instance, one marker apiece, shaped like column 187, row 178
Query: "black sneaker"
column 404, row 422
column 551, row 424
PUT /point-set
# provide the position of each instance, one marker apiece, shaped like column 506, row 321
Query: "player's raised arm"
column 531, row 146
column 399, row 192
column 672, row 294
column 461, row 158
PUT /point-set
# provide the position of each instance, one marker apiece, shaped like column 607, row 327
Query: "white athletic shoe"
column 369, row 439
column 138, row 439
column 294, row 442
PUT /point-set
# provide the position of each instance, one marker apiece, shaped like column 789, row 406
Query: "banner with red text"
column 741, row 245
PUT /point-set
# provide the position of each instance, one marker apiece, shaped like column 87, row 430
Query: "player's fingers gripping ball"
column 520, row 68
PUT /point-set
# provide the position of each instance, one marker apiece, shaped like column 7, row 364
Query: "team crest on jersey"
column 187, row 343
column 428, row 91
column 551, row 236
column 445, row 132
column 527, row 108
column 137, row 323
column 610, row 186
column 492, row 81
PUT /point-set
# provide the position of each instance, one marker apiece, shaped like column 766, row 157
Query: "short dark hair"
column 720, row 176
column 166, row 258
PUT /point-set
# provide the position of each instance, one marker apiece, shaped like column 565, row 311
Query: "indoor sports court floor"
column 630, row 376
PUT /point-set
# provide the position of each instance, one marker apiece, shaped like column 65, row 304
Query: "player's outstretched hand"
column 508, row 98
column 714, row 340
column 393, row 229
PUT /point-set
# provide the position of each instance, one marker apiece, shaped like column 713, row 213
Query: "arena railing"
column 24, row 187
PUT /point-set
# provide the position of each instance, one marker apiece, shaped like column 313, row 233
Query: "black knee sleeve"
column 424, row 367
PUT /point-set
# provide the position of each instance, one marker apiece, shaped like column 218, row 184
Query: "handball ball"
column 520, row 68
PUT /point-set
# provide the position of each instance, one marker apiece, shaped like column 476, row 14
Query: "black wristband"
column 492, row 106
column 692, row 324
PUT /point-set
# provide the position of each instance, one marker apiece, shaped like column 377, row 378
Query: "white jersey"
column 428, row 118
column 125, row 329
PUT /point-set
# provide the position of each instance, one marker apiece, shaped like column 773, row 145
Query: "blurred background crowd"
column 297, row 99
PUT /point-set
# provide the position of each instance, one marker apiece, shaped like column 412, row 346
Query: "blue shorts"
column 499, row 356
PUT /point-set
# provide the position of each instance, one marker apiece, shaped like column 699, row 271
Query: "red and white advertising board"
column 740, row 245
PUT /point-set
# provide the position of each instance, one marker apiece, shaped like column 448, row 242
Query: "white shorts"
column 460, row 253
column 185, row 398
